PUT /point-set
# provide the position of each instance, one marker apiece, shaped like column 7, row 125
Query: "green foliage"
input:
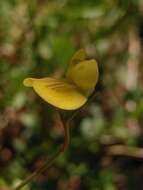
column 38, row 38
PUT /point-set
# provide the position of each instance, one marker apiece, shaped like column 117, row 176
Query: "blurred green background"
column 37, row 38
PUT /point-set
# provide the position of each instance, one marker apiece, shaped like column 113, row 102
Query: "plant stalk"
column 50, row 161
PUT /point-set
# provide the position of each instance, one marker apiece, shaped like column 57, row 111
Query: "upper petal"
column 84, row 74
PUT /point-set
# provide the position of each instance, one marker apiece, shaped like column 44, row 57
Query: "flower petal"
column 58, row 93
column 84, row 74
column 28, row 82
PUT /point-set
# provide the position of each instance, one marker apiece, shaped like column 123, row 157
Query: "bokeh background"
column 37, row 38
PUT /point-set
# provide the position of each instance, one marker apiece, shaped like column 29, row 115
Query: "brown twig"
column 123, row 150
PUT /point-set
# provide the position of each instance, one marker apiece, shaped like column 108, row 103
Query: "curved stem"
column 40, row 170
column 66, row 132
column 50, row 161
column 67, row 138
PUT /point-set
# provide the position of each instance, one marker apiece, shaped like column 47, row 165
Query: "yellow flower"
column 71, row 92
